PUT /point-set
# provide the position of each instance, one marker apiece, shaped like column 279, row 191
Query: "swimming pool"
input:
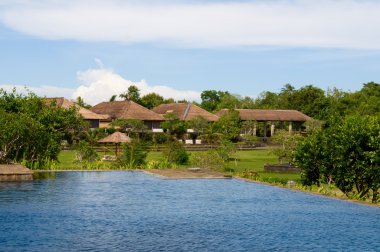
column 133, row 211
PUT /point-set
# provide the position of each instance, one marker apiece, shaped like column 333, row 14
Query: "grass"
column 253, row 160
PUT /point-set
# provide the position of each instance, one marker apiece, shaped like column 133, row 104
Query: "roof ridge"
column 186, row 113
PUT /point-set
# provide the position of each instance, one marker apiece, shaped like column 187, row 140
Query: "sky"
column 98, row 48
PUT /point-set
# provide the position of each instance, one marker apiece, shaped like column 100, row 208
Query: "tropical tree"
column 152, row 100
column 175, row 152
column 286, row 144
column 113, row 98
column 347, row 153
column 133, row 94
column 31, row 130
column 133, row 155
column 228, row 125
column 81, row 103
column 174, row 126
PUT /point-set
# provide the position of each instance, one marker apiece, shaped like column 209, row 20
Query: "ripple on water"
column 123, row 211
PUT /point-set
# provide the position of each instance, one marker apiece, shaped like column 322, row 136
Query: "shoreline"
column 197, row 173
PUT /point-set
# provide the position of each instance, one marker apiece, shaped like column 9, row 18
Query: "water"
column 133, row 211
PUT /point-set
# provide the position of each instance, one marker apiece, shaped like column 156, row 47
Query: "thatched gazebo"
column 117, row 138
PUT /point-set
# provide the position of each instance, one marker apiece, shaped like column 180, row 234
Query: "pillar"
column 272, row 130
column 254, row 129
column 290, row 127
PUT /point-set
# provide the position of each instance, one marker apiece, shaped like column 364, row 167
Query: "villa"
column 128, row 110
column 94, row 119
column 270, row 116
column 185, row 111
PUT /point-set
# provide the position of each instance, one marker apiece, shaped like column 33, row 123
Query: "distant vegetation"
column 341, row 148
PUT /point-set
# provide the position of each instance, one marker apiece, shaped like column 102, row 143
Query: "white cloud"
column 98, row 85
column 43, row 91
column 323, row 23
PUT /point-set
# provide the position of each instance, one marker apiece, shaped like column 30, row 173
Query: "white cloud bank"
column 98, row 85
column 45, row 90
column 305, row 23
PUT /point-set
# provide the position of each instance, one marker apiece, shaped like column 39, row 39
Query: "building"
column 127, row 110
column 185, row 111
column 89, row 116
column 269, row 116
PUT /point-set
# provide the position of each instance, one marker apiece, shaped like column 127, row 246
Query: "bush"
column 208, row 160
column 133, row 155
column 84, row 153
column 160, row 138
column 225, row 150
column 176, row 153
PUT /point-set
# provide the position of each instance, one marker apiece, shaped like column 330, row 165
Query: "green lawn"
column 253, row 160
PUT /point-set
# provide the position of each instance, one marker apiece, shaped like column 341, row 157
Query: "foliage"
column 208, row 160
column 346, row 153
column 94, row 135
column 211, row 99
column 84, row 153
column 287, row 143
column 152, row 100
column 199, row 124
column 211, row 136
column 162, row 164
column 160, row 138
column 133, row 94
column 133, row 155
column 129, row 125
column 313, row 125
column 308, row 99
column 174, row 126
column 228, row 125
column 81, row 103
column 31, row 130
column 225, row 150
column 175, row 152
column 113, row 98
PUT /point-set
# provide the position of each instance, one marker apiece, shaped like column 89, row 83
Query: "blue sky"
column 180, row 48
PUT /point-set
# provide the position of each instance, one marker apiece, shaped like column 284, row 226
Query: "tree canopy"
column 31, row 131
column 346, row 153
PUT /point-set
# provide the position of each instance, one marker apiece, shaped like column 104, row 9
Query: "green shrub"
column 85, row 154
column 160, row 138
column 176, row 153
column 208, row 160
column 133, row 155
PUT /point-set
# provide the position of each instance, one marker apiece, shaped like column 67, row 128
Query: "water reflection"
column 131, row 211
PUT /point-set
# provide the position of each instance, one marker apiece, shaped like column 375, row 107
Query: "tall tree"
column 211, row 99
column 31, row 130
column 81, row 103
column 133, row 94
column 228, row 125
column 347, row 153
column 152, row 100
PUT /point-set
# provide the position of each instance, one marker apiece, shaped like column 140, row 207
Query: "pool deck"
column 15, row 172
column 188, row 173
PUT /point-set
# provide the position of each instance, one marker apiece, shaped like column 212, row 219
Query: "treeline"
column 310, row 100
